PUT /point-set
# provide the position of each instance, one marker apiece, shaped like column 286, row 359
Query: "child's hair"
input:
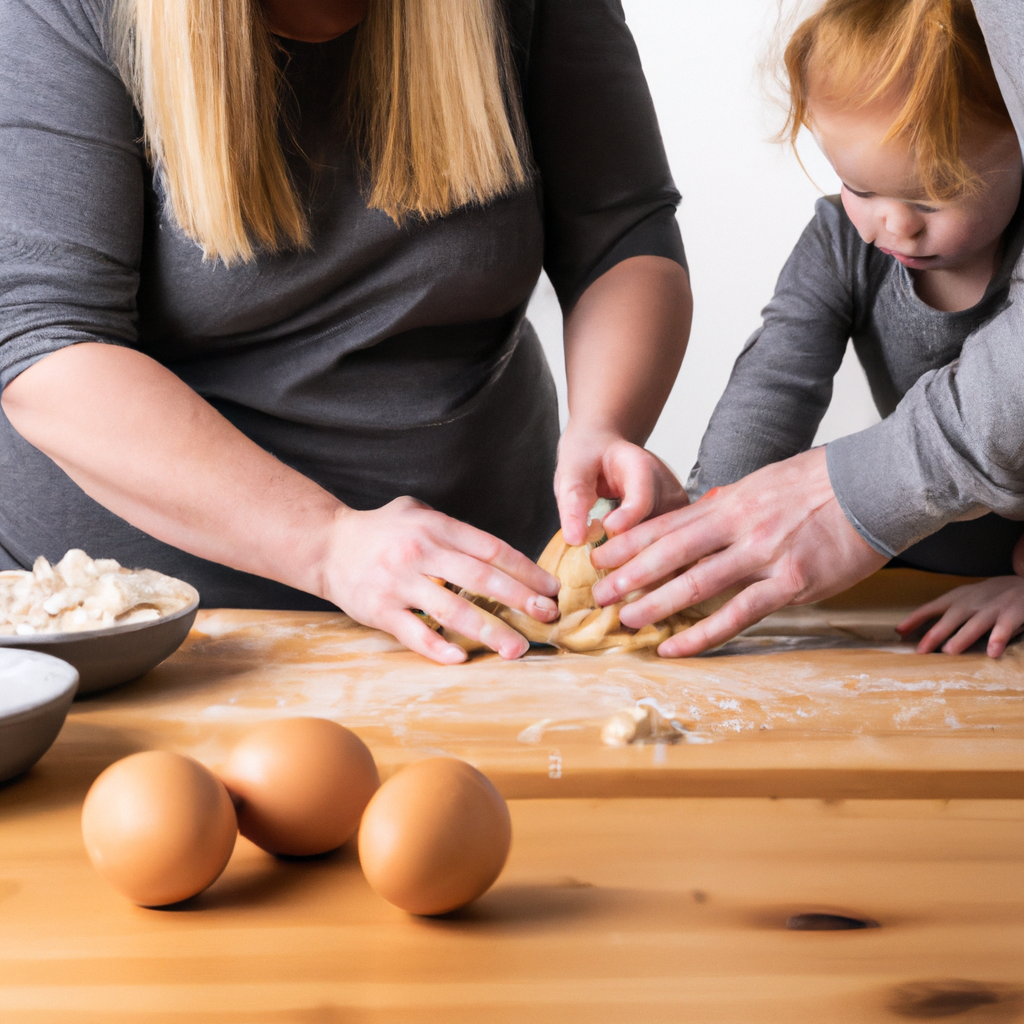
column 928, row 56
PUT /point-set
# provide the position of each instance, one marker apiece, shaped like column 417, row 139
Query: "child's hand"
column 970, row 612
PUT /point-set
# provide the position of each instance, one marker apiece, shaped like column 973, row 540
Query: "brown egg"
column 300, row 784
column 159, row 827
column 435, row 836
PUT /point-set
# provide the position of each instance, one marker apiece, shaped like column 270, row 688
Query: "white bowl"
column 36, row 691
column 117, row 654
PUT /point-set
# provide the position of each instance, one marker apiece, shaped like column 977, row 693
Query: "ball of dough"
column 301, row 785
column 159, row 827
column 435, row 836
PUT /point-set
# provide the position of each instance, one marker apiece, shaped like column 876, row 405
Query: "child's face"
column 888, row 206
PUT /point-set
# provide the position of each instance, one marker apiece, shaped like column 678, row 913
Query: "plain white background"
column 745, row 202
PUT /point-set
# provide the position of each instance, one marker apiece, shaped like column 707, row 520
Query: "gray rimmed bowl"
column 115, row 655
column 36, row 691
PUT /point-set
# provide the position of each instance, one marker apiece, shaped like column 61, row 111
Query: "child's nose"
column 902, row 221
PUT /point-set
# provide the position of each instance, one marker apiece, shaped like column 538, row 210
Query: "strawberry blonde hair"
column 433, row 107
column 926, row 57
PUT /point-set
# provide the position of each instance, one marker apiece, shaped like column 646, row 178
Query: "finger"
column 623, row 547
column 1003, row 632
column 410, row 630
column 489, row 549
column 633, row 479
column 663, row 559
column 971, row 632
column 575, row 500
column 459, row 615
column 480, row 578
column 947, row 625
column 918, row 617
column 749, row 606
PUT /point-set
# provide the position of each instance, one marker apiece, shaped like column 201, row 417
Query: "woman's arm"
column 611, row 249
column 140, row 442
column 624, row 342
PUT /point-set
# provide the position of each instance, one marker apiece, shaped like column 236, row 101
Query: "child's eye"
column 921, row 208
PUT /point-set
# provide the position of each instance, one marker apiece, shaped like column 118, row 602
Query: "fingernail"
column 542, row 608
column 511, row 651
column 454, row 655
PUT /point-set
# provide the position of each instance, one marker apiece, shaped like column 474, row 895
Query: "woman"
column 255, row 366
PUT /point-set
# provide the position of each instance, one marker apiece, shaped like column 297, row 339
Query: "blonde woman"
column 263, row 273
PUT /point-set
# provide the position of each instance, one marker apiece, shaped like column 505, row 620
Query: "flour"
column 80, row 593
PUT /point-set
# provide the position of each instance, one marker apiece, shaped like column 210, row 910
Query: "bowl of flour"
column 111, row 623
column 36, row 691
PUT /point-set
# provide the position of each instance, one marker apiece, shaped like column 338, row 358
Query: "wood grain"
column 647, row 883
column 609, row 910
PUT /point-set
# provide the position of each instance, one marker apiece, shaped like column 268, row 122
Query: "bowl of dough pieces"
column 35, row 694
column 111, row 623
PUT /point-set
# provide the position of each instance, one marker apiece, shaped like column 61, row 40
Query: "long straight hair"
column 432, row 104
column 927, row 57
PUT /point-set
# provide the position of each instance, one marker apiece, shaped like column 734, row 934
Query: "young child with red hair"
column 913, row 256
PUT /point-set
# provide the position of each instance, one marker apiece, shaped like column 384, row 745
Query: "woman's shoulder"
column 84, row 24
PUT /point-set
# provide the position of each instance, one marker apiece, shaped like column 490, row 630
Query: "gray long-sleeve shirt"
column 834, row 288
column 954, row 445
column 385, row 360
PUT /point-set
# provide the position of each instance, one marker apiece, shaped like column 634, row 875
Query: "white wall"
column 745, row 202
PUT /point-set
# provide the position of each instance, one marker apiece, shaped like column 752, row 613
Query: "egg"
column 435, row 836
column 300, row 784
column 159, row 827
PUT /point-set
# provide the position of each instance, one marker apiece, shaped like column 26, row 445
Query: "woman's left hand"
column 624, row 341
column 596, row 464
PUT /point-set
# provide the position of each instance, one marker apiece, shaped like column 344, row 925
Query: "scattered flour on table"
column 80, row 593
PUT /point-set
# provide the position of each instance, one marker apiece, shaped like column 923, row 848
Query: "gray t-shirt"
column 835, row 288
column 954, row 446
column 385, row 361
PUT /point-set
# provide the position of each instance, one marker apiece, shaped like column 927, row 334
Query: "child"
column 913, row 256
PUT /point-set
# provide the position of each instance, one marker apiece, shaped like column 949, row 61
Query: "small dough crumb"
column 640, row 723
column 80, row 593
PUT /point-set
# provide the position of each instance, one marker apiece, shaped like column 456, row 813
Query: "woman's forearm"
column 143, row 444
column 624, row 344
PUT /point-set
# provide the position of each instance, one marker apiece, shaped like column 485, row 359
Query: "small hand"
column 779, row 533
column 602, row 464
column 379, row 565
column 994, row 606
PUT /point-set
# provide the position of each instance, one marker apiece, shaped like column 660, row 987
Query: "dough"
column 582, row 626
column 80, row 593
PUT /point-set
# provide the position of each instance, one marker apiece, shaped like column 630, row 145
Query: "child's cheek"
column 859, row 212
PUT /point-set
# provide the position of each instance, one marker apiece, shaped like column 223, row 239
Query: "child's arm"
column 966, row 614
column 781, row 384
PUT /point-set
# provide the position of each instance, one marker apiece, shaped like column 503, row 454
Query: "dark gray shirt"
column 954, row 446
column 386, row 360
column 834, row 288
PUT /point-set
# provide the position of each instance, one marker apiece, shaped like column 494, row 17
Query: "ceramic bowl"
column 36, row 691
column 117, row 654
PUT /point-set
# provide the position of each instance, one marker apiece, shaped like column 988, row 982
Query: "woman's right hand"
column 378, row 566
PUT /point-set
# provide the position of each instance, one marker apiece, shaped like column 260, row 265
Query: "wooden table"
column 830, row 770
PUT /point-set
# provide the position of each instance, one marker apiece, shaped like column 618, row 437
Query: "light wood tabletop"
column 826, row 769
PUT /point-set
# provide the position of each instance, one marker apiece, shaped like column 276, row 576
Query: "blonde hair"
column 928, row 56
column 432, row 104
